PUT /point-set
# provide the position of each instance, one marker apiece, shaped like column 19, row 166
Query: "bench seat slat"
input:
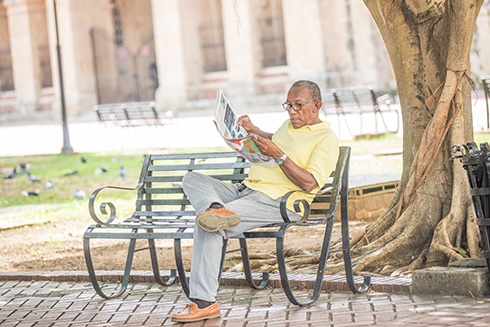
column 146, row 236
column 203, row 155
column 142, row 226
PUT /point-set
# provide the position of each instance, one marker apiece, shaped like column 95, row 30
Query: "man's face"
column 308, row 112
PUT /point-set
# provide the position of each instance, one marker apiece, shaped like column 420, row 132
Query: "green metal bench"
column 164, row 212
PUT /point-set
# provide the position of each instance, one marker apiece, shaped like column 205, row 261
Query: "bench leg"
column 344, row 217
column 180, row 266
column 349, row 275
column 223, row 255
column 156, row 269
column 247, row 269
column 93, row 276
column 281, row 262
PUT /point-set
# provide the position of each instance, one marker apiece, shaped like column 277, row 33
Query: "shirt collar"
column 315, row 127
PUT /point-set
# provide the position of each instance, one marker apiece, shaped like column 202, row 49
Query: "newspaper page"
column 235, row 135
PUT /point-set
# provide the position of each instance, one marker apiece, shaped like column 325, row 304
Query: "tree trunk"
column 430, row 219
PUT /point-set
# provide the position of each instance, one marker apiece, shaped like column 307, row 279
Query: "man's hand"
column 247, row 124
column 267, row 147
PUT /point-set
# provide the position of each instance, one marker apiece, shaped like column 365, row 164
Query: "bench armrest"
column 297, row 208
column 104, row 205
column 386, row 99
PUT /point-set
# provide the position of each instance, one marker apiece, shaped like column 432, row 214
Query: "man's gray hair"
column 315, row 92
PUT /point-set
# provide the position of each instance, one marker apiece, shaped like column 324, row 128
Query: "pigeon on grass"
column 31, row 193
column 11, row 175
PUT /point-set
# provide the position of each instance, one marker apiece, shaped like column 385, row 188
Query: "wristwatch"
column 281, row 159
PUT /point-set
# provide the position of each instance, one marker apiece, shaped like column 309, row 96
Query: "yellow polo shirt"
column 314, row 148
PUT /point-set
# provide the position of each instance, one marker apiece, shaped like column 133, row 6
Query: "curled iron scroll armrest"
column 297, row 207
column 111, row 214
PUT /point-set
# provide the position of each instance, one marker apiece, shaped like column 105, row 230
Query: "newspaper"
column 236, row 136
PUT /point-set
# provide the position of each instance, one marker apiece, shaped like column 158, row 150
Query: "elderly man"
column 305, row 149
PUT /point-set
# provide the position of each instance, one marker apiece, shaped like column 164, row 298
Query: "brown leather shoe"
column 193, row 313
column 213, row 220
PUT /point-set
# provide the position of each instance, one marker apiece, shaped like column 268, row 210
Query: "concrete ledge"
column 464, row 281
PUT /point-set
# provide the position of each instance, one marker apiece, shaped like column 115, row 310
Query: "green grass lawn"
column 57, row 168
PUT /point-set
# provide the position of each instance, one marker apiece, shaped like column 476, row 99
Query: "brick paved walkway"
column 61, row 303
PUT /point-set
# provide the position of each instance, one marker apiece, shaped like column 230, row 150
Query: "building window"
column 212, row 38
column 45, row 65
column 6, row 74
column 116, row 16
column 271, row 26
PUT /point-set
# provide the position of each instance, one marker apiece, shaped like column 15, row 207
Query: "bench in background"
column 130, row 114
column 485, row 80
column 364, row 102
column 140, row 116
column 162, row 211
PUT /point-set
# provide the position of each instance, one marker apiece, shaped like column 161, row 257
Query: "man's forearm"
column 299, row 176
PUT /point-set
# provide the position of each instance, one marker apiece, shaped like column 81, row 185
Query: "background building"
column 179, row 52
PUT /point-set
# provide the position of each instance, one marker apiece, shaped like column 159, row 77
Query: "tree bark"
column 430, row 218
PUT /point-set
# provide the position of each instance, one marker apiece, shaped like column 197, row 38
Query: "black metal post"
column 66, row 137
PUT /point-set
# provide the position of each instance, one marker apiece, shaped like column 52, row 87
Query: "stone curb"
column 463, row 281
column 331, row 283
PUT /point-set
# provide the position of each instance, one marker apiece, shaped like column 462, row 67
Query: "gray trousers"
column 255, row 210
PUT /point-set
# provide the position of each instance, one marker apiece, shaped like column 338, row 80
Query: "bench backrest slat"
column 169, row 213
column 178, row 178
column 205, row 155
column 198, row 166
column 162, row 202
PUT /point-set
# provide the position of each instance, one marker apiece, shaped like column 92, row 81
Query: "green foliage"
column 482, row 137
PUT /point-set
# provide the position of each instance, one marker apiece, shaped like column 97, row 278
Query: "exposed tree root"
column 373, row 231
column 432, row 138
column 442, row 249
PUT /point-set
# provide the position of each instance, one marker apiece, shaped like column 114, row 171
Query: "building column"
column 170, row 53
column 26, row 25
column 6, row 78
column 242, row 52
column 75, row 18
column 304, row 40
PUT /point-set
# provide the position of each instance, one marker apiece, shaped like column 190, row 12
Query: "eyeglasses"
column 295, row 106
